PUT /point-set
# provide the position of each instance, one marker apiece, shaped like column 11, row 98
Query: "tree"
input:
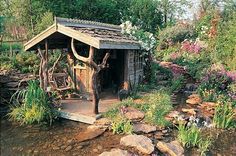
column 96, row 68
column 144, row 13
column 45, row 22
column 172, row 9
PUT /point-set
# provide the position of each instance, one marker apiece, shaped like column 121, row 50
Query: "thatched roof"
column 96, row 34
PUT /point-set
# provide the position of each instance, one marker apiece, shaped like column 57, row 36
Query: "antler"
column 89, row 60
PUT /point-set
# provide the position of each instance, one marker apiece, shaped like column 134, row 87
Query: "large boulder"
column 133, row 114
column 139, row 142
column 116, row 152
column 143, row 128
column 173, row 148
column 90, row 133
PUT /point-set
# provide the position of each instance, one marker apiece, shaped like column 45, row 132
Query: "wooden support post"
column 43, row 71
column 95, row 68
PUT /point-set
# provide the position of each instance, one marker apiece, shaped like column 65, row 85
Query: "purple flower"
column 231, row 75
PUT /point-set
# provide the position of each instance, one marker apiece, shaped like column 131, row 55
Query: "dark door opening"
column 113, row 76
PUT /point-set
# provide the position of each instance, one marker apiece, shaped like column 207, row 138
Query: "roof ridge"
column 71, row 21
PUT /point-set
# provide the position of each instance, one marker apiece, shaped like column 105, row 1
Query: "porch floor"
column 82, row 110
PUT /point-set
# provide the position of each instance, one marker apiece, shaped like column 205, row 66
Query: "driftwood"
column 51, row 70
column 96, row 68
column 43, row 69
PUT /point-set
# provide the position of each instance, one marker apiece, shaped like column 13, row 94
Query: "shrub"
column 159, row 105
column 223, row 117
column 121, row 125
column 175, row 34
column 32, row 105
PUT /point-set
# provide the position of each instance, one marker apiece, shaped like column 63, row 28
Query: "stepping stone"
column 116, row 152
column 173, row 148
column 90, row 133
column 133, row 114
column 194, row 99
column 139, row 142
column 190, row 111
column 144, row 128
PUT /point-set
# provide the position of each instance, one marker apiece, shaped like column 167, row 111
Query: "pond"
column 57, row 139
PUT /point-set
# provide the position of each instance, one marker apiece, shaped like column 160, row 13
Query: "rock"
column 173, row 148
column 116, row 152
column 54, row 147
column 172, row 115
column 84, row 144
column 208, row 105
column 165, row 64
column 79, row 147
column 159, row 135
column 194, row 99
column 36, row 151
column 90, row 133
column 103, row 122
column 140, row 142
column 190, row 111
column 190, row 87
column 95, row 150
column 68, row 148
column 63, row 147
column 133, row 114
column 99, row 147
column 144, row 128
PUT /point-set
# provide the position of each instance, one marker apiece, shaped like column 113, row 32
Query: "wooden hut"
column 124, row 66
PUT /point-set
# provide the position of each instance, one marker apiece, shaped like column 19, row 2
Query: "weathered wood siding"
column 135, row 67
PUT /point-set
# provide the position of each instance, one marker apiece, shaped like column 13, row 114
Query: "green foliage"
column 177, row 83
column 191, row 137
column 223, row 117
column 27, row 62
column 159, row 105
column 144, row 14
column 226, row 43
column 111, row 113
column 45, row 22
column 32, row 105
column 121, row 125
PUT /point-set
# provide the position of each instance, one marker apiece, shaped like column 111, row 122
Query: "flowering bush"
column 146, row 39
column 217, row 80
column 191, row 47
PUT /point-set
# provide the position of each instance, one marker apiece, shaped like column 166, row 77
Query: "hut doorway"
column 113, row 76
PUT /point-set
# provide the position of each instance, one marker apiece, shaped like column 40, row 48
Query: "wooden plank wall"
column 135, row 67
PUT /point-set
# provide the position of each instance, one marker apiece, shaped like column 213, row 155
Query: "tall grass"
column 224, row 115
column 159, row 104
column 32, row 105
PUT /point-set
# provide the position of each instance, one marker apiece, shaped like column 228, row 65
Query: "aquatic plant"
column 191, row 137
column 31, row 105
column 121, row 125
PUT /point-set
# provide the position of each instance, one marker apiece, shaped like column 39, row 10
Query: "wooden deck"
column 81, row 110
